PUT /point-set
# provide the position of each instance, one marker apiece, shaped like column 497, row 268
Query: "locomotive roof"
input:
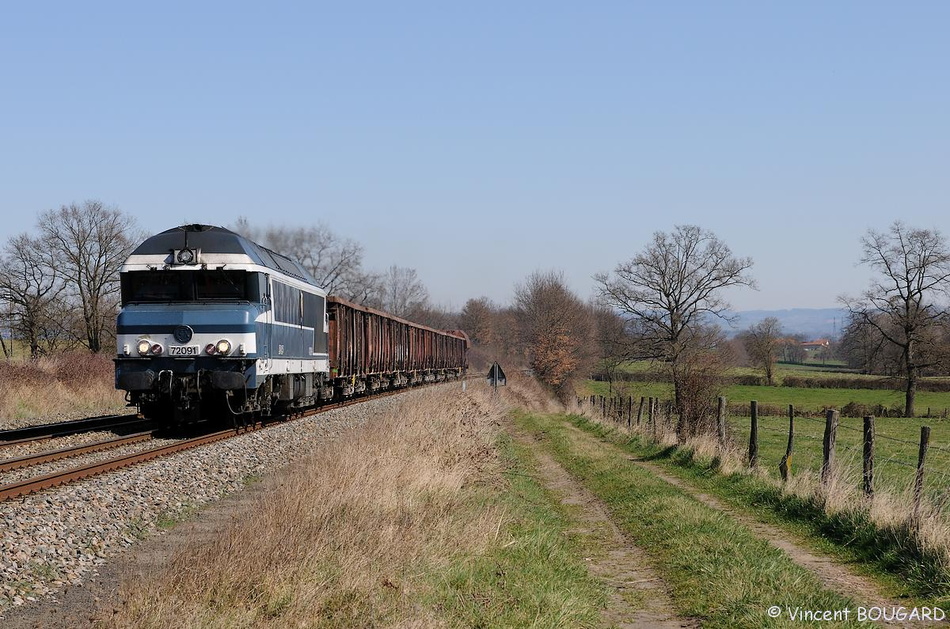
column 212, row 239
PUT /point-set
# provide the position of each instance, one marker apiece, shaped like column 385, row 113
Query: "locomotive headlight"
column 186, row 256
column 144, row 346
column 157, row 349
column 223, row 347
column 209, row 349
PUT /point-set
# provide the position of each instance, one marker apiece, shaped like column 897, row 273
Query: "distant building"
column 817, row 344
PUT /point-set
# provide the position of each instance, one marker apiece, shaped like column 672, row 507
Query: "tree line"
column 59, row 291
column 59, row 286
column 665, row 304
column 900, row 325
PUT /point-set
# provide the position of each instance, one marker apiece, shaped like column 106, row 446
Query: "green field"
column 897, row 439
column 896, row 449
column 812, row 401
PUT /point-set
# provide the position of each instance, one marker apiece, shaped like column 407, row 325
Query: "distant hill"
column 812, row 322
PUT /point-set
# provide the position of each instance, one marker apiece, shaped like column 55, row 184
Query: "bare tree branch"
column 671, row 290
column 913, row 268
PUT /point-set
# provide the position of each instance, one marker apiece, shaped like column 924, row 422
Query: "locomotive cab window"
column 204, row 285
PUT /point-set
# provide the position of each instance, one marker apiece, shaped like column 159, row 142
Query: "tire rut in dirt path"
column 832, row 574
column 638, row 596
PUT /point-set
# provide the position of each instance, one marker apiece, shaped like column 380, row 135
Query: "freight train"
column 213, row 326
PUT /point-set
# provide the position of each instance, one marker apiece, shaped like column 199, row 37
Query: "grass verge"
column 423, row 517
column 717, row 570
column 890, row 550
column 909, row 564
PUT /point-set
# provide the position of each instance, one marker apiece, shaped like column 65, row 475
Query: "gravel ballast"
column 59, row 537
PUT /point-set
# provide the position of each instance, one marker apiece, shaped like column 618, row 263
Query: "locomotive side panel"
column 213, row 325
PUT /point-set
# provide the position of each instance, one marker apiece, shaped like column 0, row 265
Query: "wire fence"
column 894, row 455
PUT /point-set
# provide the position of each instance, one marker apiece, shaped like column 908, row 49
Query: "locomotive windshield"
column 204, row 285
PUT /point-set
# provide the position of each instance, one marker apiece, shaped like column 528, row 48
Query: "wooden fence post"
column 651, row 416
column 869, row 456
column 786, row 464
column 754, row 435
column 640, row 412
column 721, row 422
column 919, row 478
column 603, row 407
column 629, row 412
column 828, row 445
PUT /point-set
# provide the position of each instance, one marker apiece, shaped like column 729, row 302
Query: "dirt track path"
column 833, row 575
column 638, row 596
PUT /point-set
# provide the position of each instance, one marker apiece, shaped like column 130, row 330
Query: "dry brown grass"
column 65, row 386
column 353, row 536
column 528, row 394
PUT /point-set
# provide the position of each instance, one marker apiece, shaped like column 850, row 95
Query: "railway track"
column 49, row 456
column 28, row 434
column 35, row 484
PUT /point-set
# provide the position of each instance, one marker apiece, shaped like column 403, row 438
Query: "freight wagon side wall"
column 364, row 341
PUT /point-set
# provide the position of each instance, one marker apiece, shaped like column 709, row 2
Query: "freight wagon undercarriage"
column 224, row 397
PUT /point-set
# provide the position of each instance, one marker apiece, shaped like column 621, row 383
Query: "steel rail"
column 16, row 436
column 39, row 483
column 74, row 451
column 32, row 485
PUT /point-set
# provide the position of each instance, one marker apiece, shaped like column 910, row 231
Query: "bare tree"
column 477, row 319
column 335, row 262
column 555, row 329
column 669, row 292
column 864, row 348
column 702, row 379
column 366, row 288
column 913, row 268
column 763, row 341
column 434, row 316
column 613, row 340
column 7, row 349
column 403, row 291
column 792, row 349
column 30, row 284
column 90, row 242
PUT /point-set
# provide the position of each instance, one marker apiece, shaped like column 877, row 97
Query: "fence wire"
column 848, row 453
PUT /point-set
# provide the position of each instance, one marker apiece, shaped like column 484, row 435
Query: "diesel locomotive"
column 215, row 327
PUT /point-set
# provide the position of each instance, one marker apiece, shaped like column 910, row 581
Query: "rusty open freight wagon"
column 371, row 349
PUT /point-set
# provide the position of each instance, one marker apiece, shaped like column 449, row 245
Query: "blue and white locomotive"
column 214, row 326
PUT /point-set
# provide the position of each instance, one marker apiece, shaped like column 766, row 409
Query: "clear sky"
column 478, row 142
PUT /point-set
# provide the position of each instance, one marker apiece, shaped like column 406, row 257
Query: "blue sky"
column 480, row 143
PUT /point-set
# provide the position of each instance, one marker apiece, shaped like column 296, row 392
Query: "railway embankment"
column 59, row 537
column 416, row 509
